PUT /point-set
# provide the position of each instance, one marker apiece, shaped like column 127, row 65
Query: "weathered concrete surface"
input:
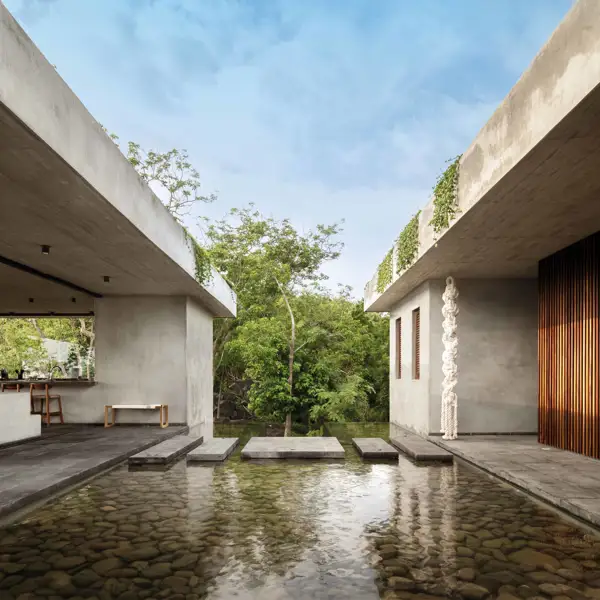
column 417, row 447
column 293, row 447
column 16, row 422
column 149, row 349
column 166, row 452
column 374, row 448
column 214, row 450
column 497, row 357
column 59, row 166
column 564, row 479
column 65, row 455
column 529, row 181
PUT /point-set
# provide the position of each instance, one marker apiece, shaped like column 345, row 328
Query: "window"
column 416, row 332
column 398, row 348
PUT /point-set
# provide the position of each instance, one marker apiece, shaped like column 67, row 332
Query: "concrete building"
column 524, row 250
column 114, row 252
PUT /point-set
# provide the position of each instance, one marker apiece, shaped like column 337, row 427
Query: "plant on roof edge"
column 407, row 244
column 385, row 272
column 202, row 264
column 445, row 197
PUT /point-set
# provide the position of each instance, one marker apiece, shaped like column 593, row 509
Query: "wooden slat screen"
column 416, row 343
column 398, row 348
column 569, row 347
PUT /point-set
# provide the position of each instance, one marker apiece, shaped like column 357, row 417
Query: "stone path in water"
column 417, row 447
column 215, row 450
column 293, row 447
column 374, row 448
column 166, row 452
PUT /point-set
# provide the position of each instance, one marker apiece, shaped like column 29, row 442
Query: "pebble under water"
column 280, row 530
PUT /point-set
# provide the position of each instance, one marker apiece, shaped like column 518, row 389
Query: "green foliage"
column 173, row 173
column 445, row 197
column 339, row 349
column 202, row 264
column 408, row 244
column 19, row 345
column 385, row 272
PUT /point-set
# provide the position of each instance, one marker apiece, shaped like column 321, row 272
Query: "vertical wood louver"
column 569, row 348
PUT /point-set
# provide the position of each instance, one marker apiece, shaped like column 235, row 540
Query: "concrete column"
column 150, row 350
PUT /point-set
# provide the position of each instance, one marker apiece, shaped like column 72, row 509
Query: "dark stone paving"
column 67, row 454
column 374, row 448
column 215, row 450
column 417, row 447
column 564, row 479
column 166, row 452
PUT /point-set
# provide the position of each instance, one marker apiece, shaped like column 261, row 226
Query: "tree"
column 268, row 262
column 177, row 180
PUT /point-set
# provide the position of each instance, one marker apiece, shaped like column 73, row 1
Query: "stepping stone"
column 293, row 447
column 419, row 448
column 374, row 448
column 217, row 449
column 167, row 451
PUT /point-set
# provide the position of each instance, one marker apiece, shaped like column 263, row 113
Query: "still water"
column 280, row 530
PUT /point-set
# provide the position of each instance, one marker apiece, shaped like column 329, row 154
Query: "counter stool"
column 45, row 400
column 11, row 386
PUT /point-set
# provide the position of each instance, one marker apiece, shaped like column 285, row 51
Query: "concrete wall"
column 199, row 357
column 409, row 398
column 149, row 350
column 497, row 329
column 497, row 364
column 16, row 422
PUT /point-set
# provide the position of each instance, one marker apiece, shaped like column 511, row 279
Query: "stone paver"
column 293, row 447
column 67, row 454
column 374, row 448
column 417, row 447
column 564, row 479
column 166, row 452
column 217, row 449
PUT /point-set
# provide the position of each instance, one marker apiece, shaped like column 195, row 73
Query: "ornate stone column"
column 449, row 418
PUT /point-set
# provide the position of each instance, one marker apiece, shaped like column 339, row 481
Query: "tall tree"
column 268, row 262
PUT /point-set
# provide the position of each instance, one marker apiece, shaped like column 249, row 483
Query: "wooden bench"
column 110, row 410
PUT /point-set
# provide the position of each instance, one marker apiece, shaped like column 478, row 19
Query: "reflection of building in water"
column 421, row 526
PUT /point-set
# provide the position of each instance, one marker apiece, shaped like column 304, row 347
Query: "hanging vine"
column 445, row 197
column 385, row 272
column 408, row 244
column 202, row 265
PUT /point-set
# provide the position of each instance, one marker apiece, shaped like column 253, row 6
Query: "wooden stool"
column 45, row 400
column 11, row 386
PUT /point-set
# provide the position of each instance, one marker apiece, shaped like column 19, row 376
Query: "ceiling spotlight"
column 73, row 300
column 31, row 300
column 106, row 279
column 45, row 249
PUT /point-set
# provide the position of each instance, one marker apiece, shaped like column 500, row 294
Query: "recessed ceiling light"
column 106, row 279
column 45, row 249
column 73, row 300
column 31, row 300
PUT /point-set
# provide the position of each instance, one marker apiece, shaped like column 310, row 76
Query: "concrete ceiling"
column 530, row 182
column 65, row 184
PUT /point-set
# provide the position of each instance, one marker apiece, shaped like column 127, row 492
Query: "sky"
column 314, row 110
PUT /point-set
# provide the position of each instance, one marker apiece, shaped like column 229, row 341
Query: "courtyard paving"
column 564, row 479
column 67, row 454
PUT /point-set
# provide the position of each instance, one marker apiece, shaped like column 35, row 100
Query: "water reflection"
column 286, row 530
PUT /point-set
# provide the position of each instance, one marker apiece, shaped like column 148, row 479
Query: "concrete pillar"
column 151, row 350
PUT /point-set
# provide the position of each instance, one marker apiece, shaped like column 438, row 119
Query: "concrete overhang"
column 529, row 183
column 64, row 183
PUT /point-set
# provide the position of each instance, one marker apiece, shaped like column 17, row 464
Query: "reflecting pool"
column 278, row 530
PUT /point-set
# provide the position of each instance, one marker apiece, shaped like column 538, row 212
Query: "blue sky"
column 316, row 110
